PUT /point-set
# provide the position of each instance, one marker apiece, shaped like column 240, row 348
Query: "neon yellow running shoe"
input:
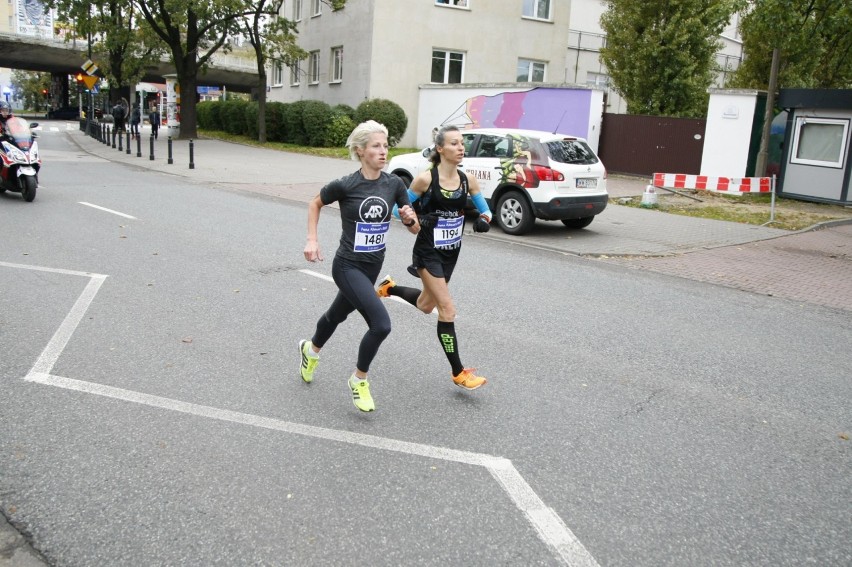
column 468, row 380
column 384, row 287
column 308, row 364
column 361, row 394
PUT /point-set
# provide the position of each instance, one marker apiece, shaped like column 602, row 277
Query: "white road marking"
column 549, row 526
column 107, row 210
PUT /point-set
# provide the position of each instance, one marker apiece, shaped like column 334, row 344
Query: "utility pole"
column 763, row 153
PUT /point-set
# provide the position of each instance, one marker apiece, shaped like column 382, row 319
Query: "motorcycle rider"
column 5, row 114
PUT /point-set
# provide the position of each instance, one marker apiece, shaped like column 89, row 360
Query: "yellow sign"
column 90, row 81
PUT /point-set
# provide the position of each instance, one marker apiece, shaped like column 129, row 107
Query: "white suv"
column 526, row 174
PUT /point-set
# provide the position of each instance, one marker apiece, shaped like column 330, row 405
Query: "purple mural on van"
column 553, row 110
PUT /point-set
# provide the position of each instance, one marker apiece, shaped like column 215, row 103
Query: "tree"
column 193, row 31
column 814, row 39
column 29, row 88
column 660, row 54
column 121, row 47
column 273, row 38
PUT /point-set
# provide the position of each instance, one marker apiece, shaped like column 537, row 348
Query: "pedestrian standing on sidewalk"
column 366, row 199
column 154, row 119
column 135, row 119
column 439, row 195
column 119, row 115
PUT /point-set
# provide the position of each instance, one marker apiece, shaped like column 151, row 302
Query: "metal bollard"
column 120, row 139
column 170, row 160
column 138, row 146
column 191, row 155
column 113, row 134
column 127, row 134
column 152, row 148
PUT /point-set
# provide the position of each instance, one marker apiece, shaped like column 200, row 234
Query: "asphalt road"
column 152, row 412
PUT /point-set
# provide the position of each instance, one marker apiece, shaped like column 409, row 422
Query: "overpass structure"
column 59, row 57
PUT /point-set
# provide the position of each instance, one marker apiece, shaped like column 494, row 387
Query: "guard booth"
column 815, row 164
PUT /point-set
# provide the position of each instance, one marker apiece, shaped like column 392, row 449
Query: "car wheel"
column 514, row 213
column 406, row 178
column 578, row 223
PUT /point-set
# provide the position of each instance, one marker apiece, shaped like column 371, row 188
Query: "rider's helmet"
column 5, row 110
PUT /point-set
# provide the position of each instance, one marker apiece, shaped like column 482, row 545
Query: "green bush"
column 316, row 116
column 206, row 114
column 338, row 130
column 233, row 115
column 344, row 109
column 275, row 121
column 294, row 128
column 250, row 116
column 385, row 112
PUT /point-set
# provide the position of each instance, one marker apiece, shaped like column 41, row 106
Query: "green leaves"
column 660, row 54
column 814, row 38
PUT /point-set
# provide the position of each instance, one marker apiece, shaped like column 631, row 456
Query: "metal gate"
column 642, row 145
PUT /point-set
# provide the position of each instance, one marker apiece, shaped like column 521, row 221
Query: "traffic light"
column 44, row 92
column 79, row 78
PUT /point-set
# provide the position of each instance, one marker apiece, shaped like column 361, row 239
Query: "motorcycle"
column 20, row 157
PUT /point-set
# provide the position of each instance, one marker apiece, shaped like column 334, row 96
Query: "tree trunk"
column 188, row 99
column 261, row 105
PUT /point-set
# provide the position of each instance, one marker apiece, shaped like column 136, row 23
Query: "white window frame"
column 453, row 4
column 277, row 73
column 798, row 145
column 531, row 67
column 531, row 9
column 316, row 8
column 448, row 60
column 337, row 64
column 295, row 74
column 600, row 80
column 313, row 67
column 297, row 10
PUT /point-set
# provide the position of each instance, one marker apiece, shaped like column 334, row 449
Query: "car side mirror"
column 33, row 125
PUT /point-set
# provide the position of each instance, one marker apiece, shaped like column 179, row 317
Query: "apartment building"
column 388, row 48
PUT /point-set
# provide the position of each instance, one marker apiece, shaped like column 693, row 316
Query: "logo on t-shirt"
column 373, row 209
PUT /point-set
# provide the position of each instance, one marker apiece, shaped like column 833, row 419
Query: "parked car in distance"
column 525, row 175
column 64, row 113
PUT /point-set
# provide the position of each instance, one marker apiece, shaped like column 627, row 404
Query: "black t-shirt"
column 365, row 212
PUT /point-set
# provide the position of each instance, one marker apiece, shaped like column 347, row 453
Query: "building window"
column 313, row 67
column 295, row 74
column 597, row 80
column 297, row 10
column 819, row 141
column 336, row 64
column 316, row 7
column 277, row 74
column 459, row 3
column 447, row 66
column 530, row 71
column 538, row 9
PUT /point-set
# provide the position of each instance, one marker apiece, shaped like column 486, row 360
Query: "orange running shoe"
column 384, row 287
column 468, row 380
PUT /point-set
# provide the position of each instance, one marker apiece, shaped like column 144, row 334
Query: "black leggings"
column 355, row 282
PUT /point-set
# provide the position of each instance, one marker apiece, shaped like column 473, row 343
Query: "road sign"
column 89, row 67
column 90, row 81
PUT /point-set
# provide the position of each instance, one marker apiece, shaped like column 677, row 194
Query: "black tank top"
column 441, row 213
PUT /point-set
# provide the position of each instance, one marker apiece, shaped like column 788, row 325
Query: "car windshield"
column 571, row 151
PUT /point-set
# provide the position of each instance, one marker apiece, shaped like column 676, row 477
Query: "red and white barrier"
column 722, row 184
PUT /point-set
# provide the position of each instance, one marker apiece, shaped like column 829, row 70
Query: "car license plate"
column 587, row 183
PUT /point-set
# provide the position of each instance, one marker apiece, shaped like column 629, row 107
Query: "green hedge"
column 305, row 122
